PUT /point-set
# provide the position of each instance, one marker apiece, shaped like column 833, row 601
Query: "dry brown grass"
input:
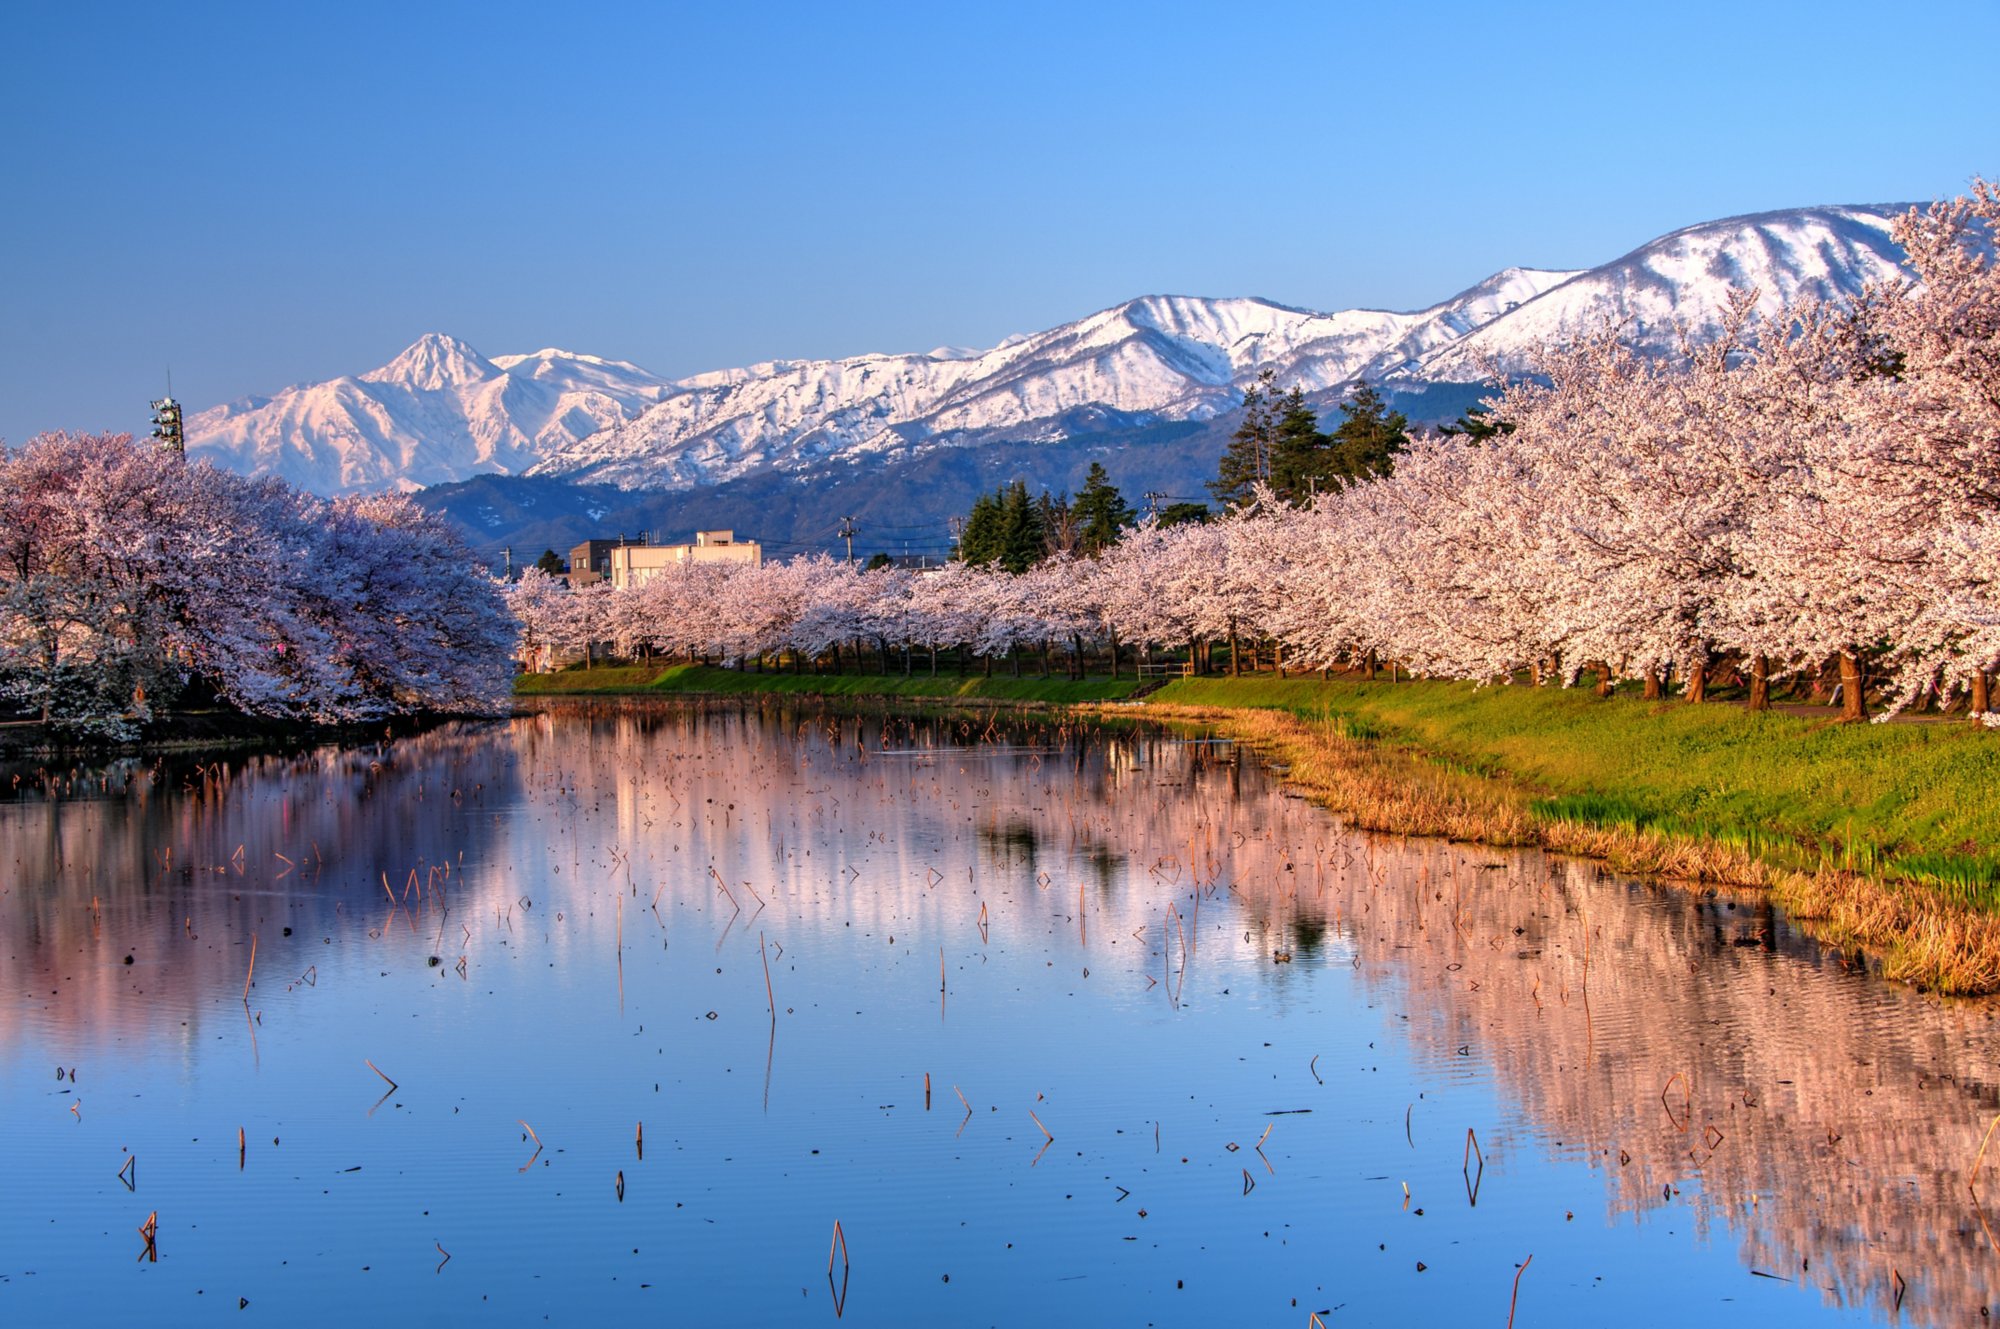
column 1914, row 935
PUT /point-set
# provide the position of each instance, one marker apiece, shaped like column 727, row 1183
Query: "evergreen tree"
column 1302, row 458
column 980, row 540
column 1175, row 514
column 1024, row 539
column 551, row 563
column 881, row 560
column 1006, row 527
column 1101, row 511
column 1476, row 425
column 1247, row 460
column 1365, row 444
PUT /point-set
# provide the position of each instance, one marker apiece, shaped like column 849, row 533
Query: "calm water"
column 1257, row 1044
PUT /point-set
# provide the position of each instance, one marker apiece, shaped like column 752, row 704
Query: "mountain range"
column 1168, row 371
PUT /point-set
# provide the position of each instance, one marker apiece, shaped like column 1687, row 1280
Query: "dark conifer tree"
column 1302, row 458
column 1365, row 444
column 1247, row 461
column 1101, row 511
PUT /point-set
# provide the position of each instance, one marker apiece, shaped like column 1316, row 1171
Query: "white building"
column 635, row 565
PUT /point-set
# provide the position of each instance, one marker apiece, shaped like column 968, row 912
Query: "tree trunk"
column 1236, row 653
column 1697, row 691
column 933, row 649
column 1114, row 657
column 1368, row 665
column 1760, row 683
column 1278, row 657
column 1979, row 693
column 1604, row 684
column 1853, row 698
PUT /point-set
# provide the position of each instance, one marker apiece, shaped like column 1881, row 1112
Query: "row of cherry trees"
column 1819, row 489
column 131, row 579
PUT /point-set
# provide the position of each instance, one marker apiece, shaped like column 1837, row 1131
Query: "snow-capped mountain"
column 1683, row 279
column 1167, row 358
column 1154, row 359
column 440, row 411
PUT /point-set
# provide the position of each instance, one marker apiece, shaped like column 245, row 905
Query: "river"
column 740, row 1015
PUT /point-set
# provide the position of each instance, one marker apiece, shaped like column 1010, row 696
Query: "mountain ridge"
column 441, row 412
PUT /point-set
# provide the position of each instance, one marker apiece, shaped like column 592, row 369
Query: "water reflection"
column 1190, row 1041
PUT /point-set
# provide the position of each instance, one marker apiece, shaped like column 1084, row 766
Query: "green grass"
column 1914, row 801
column 707, row 681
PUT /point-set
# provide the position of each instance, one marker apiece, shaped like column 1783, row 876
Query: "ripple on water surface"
column 1196, row 1053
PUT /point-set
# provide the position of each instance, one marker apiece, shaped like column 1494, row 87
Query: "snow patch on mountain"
column 1683, row 280
column 439, row 411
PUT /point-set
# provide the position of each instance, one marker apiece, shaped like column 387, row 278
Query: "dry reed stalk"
column 1038, row 1123
column 639, row 1141
column 131, row 1166
column 531, row 1132
column 1522, row 1269
column 837, row 1246
column 927, row 1091
column 386, row 890
column 242, row 1148
column 1681, row 1122
column 378, row 1070
column 768, row 994
column 253, row 969
column 1972, row 1177
column 619, row 1185
column 441, row 1251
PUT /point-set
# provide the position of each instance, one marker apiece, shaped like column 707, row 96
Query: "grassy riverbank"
column 646, row 680
column 1884, row 837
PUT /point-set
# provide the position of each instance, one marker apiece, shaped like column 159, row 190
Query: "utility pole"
column 1153, row 497
column 510, row 562
column 957, row 525
column 847, row 534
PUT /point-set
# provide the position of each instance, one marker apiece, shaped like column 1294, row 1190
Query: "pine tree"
column 551, row 562
column 1247, row 461
column 980, row 540
column 1365, row 444
column 1477, row 425
column 1101, row 511
column 1024, row 538
column 1006, row 527
column 1302, row 458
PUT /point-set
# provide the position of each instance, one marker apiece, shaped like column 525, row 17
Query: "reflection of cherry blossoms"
column 129, row 578
column 1816, row 487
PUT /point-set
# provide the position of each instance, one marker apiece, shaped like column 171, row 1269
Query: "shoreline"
column 1652, row 789
column 29, row 741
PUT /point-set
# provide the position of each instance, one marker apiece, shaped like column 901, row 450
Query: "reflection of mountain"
column 1703, row 1058
column 1700, row 1055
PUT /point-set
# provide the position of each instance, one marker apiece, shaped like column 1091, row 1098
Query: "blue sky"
column 261, row 194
